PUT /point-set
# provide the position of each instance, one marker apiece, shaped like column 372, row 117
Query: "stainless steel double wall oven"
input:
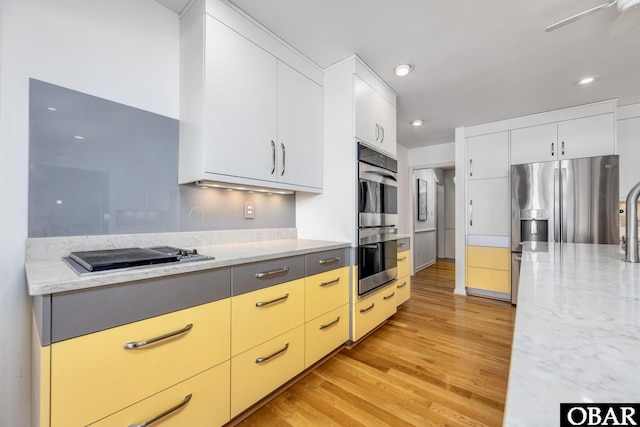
column 377, row 219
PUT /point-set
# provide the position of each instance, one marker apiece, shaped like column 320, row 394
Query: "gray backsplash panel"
column 100, row 167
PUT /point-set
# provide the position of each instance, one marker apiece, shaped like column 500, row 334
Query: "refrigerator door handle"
column 556, row 205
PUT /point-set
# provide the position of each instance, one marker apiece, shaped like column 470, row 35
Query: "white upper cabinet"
column 488, row 207
column 299, row 131
column 375, row 117
column 534, row 144
column 568, row 139
column 250, row 107
column 488, row 156
column 240, row 106
column 587, row 136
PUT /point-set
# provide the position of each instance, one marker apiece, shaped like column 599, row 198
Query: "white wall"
column 433, row 155
column 126, row 51
column 629, row 147
column 404, row 214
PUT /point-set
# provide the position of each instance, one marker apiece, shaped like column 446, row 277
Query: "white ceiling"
column 475, row 61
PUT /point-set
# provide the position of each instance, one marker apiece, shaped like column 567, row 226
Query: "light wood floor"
column 441, row 360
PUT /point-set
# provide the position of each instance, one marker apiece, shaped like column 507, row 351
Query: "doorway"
column 433, row 216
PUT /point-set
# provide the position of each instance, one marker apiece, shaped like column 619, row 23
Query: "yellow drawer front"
column 487, row 257
column 403, row 290
column 489, row 280
column 252, row 378
column 94, row 375
column 263, row 314
column 404, row 263
column 326, row 291
column 372, row 311
column 208, row 404
column 326, row 333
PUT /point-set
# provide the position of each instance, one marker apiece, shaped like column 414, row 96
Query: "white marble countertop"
column 47, row 276
column 577, row 332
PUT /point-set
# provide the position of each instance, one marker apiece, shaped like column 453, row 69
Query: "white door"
column 488, row 156
column 299, row 142
column 488, row 207
column 240, row 105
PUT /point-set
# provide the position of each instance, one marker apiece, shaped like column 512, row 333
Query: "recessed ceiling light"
column 587, row 80
column 52, row 109
column 417, row 122
column 403, row 69
column 79, row 137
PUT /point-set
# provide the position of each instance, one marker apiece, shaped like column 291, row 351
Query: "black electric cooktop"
column 115, row 259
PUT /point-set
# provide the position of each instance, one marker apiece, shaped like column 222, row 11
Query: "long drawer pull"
column 402, row 245
column 329, row 261
column 364, row 310
column 264, row 274
column 138, row 344
column 331, row 282
column 263, row 303
column 389, row 296
column 404, row 258
column 186, row 400
column 271, row 356
column 329, row 324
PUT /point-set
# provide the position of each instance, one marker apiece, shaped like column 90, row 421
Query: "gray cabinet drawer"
column 320, row 262
column 403, row 244
column 83, row 312
column 258, row 275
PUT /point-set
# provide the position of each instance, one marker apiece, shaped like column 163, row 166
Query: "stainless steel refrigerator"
column 566, row 201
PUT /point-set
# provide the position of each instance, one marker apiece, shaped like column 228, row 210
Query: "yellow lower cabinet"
column 489, row 280
column 326, row 333
column 259, row 315
column 326, row 291
column 403, row 289
column 404, row 263
column 262, row 369
column 202, row 400
column 371, row 311
column 98, row 374
column 489, row 269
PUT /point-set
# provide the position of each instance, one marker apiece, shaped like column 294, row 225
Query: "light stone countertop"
column 577, row 332
column 47, row 276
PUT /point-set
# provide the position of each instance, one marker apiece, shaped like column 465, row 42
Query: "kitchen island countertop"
column 54, row 275
column 577, row 332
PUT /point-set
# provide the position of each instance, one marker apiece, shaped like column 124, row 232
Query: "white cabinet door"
column 534, row 144
column 488, row 156
column 299, row 129
column 240, row 105
column 375, row 117
column 629, row 150
column 488, row 207
column 587, row 136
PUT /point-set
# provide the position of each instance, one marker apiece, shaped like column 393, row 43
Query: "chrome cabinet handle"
column 271, row 356
column 334, row 281
column 138, row 344
column 377, row 131
column 404, row 258
column 273, row 158
column 284, row 158
column 402, row 286
column 553, row 150
column 186, row 400
column 264, row 274
column 263, row 303
column 364, row 310
column 562, row 148
column 329, row 324
column 382, row 137
column 471, row 213
column 329, row 261
column 402, row 245
column 389, row 296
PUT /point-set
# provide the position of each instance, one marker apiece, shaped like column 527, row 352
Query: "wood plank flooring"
column 442, row 360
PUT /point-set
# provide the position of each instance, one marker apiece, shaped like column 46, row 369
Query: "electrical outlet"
column 249, row 210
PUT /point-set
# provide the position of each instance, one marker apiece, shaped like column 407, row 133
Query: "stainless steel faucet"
column 631, row 248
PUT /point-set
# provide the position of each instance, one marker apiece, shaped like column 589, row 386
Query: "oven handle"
column 373, row 246
column 384, row 173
